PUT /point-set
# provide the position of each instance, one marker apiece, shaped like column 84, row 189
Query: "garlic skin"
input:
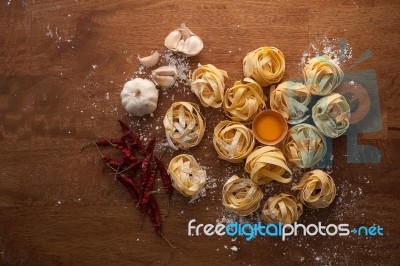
column 151, row 60
column 184, row 41
column 165, row 76
column 139, row 97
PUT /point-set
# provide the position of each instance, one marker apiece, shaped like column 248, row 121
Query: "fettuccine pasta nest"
column 290, row 99
column 265, row 164
column 322, row 75
column 266, row 65
column 184, row 125
column 304, row 145
column 207, row 83
column 331, row 114
column 233, row 141
column 244, row 101
column 241, row 195
column 187, row 177
column 283, row 208
column 316, row 189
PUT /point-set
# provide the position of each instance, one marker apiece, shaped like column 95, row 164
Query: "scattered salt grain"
column 336, row 48
column 234, row 248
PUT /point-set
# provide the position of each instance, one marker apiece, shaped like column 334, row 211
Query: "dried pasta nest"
column 304, row 145
column 186, row 175
column 322, row 75
column 316, row 189
column 290, row 99
column 331, row 114
column 207, row 82
column 266, row 65
column 184, row 125
column 233, row 141
column 244, row 100
column 241, row 195
column 282, row 208
column 266, row 164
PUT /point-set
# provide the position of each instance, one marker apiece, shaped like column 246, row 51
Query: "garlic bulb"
column 322, row 75
column 151, row 60
column 186, row 174
column 266, row 65
column 290, row 99
column 139, row 97
column 282, row 208
column 241, row 195
column 316, row 189
column 184, row 125
column 165, row 76
column 184, row 41
column 208, row 85
column 244, row 100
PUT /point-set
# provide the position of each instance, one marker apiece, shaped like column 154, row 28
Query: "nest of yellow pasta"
column 233, row 141
column 266, row 65
column 331, row 114
column 304, row 145
column 290, row 99
column 187, row 177
column 241, row 195
column 322, row 75
column 207, row 83
column 244, row 100
column 267, row 163
column 282, row 208
column 316, row 189
column 184, row 125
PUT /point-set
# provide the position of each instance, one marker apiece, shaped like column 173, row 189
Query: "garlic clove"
column 165, row 76
column 151, row 60
column 166, row 71
column 192, row 46
column 181, row 43
column 173, row 39
column 164, row 81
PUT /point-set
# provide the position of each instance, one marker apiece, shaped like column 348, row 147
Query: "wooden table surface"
column 63, row 64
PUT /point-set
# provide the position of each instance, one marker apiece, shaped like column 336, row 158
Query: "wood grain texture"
column 56, row 205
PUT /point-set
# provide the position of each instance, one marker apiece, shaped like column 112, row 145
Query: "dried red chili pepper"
column 134, row 190
column 166, row 179
column 131, row 185
column 124, row 127
column 113, row 163
column 146, row 192
column 145, row 165
column 155, row 214
column 133, row 139
column 139, row 145
column 155, row 217
column 127, row 153
column 130, row 166
column 150, row 146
